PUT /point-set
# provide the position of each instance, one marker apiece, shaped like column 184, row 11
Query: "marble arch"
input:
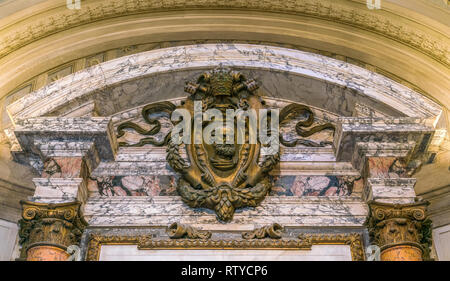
column 76, row 151
column 128, row 68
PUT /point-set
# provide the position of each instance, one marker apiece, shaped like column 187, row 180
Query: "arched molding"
column 401, row 39
column 373, row 86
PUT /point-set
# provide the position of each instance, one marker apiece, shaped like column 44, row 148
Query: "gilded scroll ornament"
column 271, row 231
column 178, row 230
column 58, row 225
column 400, row 224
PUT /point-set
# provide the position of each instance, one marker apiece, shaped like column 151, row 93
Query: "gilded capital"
column 393, row 225
column 50, row 224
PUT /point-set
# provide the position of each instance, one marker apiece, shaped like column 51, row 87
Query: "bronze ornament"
column 178, row 230
column 165, row 107
column 271, row 231
column 223, row 176
column 293, row 110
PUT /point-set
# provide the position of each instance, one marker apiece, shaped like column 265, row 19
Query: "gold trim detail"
column 304, row 242
column 354, row 240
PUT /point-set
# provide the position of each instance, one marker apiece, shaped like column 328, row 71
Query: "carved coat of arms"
column 222, row 176
column 232, row 174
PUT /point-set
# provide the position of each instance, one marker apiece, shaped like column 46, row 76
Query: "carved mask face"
column 222, row 156
column 225, row 151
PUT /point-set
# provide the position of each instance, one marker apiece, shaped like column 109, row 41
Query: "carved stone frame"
column 304, row 242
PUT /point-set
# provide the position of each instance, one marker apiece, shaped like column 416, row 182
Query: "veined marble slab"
column 288, row 211
column 151, row 153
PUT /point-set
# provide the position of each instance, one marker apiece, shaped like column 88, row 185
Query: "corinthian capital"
column 46, row 224
column 394, row 225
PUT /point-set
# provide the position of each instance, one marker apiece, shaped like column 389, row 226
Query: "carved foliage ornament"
column 58, row 225
column 223, row 177
column 392, row 225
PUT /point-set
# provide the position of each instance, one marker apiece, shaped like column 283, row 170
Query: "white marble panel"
column 317, row 253
column 59, row 190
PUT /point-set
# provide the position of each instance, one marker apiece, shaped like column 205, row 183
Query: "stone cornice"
column 399, row 135
column 383, row 23
column 51, row 136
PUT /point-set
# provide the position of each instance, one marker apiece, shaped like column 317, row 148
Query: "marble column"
column 402, row 231
column 47, row 229
column 69, row 149
column 396, row 221
column 387, row 151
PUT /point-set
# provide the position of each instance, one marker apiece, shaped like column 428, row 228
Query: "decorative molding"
column 304, row 242
column 308, row 211
column 84, row 83
column 362, row 110
column 354, row 240
column 330, row 11
column 90, row 137
column 58, row 225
